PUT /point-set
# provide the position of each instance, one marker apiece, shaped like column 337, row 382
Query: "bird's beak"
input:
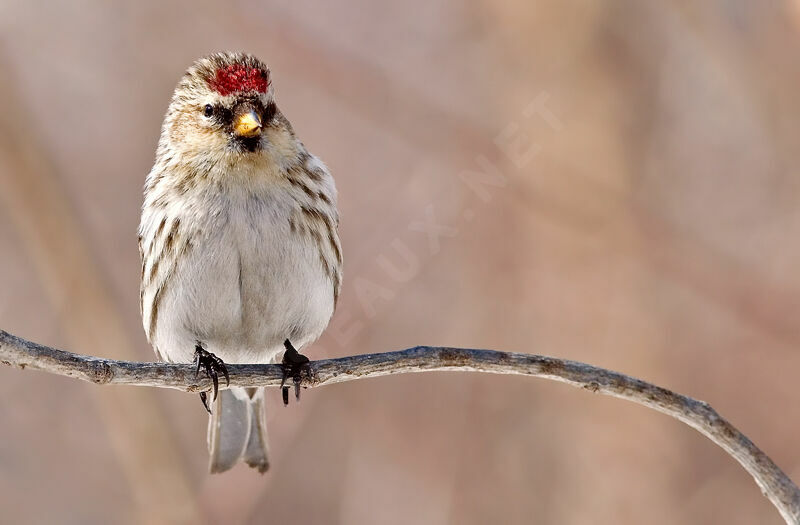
column 247, row 125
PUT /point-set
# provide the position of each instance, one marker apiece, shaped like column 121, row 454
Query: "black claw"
column 295, row 365
column 224, row 370
column 211, row 371
column 204, row 399
column 212, row 365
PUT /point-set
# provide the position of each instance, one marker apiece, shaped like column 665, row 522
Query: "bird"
column 241, row 260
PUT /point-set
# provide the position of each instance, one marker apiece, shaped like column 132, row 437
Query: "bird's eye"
column 208, row 110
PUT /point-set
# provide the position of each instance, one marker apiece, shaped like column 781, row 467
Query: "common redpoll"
column 241, row 258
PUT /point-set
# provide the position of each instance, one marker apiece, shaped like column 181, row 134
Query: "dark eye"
column 208, row 110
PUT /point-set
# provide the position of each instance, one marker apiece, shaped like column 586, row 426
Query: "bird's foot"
column 213, row 366
column 295, row 365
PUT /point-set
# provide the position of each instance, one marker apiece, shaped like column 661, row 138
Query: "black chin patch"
column 250, row 144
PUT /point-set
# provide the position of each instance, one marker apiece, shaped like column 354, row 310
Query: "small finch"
column 241, row 260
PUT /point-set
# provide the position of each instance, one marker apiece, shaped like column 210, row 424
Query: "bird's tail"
column 237, row 430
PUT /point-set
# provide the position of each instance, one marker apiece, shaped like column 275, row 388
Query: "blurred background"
column 613, row 182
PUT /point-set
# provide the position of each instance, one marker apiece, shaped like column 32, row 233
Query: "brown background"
column 647, row 222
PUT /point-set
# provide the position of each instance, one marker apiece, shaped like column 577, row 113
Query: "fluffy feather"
column 239, row 243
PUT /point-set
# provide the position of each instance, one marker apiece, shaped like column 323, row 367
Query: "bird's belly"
column 243, row 291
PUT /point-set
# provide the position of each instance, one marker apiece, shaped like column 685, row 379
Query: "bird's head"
column 223, row 112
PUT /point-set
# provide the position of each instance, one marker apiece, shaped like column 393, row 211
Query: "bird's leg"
column 294, row 365
column 213, row 366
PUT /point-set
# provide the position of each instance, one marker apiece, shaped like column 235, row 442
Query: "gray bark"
column 774, row 483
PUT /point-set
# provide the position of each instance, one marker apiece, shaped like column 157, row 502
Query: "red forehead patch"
column 233, row 78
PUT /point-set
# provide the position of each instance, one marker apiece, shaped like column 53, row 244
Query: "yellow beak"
column 247, row 124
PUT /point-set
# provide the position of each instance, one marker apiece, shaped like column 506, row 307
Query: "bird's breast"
column 251, row 281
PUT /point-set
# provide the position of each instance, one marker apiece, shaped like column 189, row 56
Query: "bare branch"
column 774, row 483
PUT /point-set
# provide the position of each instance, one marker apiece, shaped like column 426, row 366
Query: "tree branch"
column 774, row 483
